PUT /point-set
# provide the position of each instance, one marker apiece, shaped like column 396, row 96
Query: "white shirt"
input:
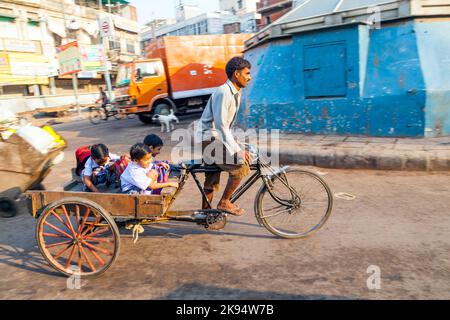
column 219, row 115
column 90, row 165
column 135, row 176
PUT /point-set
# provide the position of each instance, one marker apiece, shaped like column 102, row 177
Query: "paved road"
column 399, row 222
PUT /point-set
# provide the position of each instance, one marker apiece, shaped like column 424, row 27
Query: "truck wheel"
column 145, row 118
column 8, row 208
column 162, row 109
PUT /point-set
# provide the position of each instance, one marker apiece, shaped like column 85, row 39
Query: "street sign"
column 93, row 58
column 69, row 58
column 106, row 27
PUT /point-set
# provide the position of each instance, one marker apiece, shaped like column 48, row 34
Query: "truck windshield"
column 123, row 76
column 148, row 69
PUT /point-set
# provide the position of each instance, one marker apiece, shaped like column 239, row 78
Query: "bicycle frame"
column 243, row 188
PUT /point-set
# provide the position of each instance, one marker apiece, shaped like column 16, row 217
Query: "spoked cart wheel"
column 78, row 237
column 296, row 204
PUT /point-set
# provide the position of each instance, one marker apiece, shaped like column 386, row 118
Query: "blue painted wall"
column 350, row 80
column 433, row 38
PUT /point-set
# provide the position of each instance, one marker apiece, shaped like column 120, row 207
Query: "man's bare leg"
column 225, row 203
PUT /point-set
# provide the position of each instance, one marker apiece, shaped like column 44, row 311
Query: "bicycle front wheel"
column 96, row 115
column 295, row 205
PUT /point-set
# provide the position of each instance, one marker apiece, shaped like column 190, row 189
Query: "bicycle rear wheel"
column 297, row 204
column 96, row 115
column 119, row 116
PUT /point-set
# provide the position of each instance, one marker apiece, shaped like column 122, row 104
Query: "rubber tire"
column 8, row 208
column 145, row 118
column 96, row 116
column 119, row 116
column 263, row 222
column 103, row 213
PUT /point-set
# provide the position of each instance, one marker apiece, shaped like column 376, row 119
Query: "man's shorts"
column 215, row 154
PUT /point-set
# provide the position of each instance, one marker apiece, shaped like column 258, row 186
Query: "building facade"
column 272, row 10
column 31, row 31
column 234, row 16
column 340, row 67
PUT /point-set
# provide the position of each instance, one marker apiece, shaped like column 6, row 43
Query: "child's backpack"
column 82, row 154
column 120, row 165
column 163, row 174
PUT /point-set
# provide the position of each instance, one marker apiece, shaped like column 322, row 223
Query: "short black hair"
column 152, row 140
column 236, row 64
column 99, row 151
column 139, row 151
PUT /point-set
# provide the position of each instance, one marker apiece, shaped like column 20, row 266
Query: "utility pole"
column 102, row 43
column 74, row 75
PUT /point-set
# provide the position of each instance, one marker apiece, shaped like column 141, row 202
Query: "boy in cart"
column 141, row 175
column 99, row 168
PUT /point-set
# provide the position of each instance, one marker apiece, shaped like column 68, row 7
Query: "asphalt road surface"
column 398, row 224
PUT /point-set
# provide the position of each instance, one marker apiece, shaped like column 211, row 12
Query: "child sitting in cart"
column 163, row 167
column 141, row 175
column 98, row 169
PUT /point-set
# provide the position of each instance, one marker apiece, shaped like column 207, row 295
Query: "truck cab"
column 139, row 84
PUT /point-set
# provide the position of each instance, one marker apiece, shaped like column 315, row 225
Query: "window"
column 130, row 46
column 148, row 69
column 325, row 70
column 123, row 75
column 114, row 45
column 267, row 19
column 240, row 4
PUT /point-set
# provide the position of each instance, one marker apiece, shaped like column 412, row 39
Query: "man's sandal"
column 235, row 212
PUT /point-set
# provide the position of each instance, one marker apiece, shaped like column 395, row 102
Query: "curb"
column 367, row 159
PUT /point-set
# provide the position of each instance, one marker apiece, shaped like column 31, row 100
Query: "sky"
column 150, row 9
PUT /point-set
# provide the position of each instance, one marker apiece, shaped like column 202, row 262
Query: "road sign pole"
column 105, row 33
column 75, row 89
column 108, row 83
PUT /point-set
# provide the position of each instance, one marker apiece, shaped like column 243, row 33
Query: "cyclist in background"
column 103, row 100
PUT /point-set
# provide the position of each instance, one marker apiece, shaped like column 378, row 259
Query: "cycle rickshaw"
column 78, row 232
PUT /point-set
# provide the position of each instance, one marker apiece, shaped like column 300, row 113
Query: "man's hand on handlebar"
column 244, row 154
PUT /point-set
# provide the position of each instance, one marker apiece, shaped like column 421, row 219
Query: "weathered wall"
column 352, row 80
column 433, row 38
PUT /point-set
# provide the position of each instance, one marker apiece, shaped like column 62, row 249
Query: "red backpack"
column 82, row 154
column 120, row 165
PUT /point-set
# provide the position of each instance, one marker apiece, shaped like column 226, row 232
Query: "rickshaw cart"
column 22, row 168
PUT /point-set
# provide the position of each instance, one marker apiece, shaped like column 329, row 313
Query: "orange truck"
column 179, row 73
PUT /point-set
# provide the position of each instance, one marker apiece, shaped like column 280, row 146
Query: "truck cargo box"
column 195, row 65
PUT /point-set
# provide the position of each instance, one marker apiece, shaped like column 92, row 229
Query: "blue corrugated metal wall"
column 384, row 95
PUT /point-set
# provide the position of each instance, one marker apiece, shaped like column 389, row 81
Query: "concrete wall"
column 353, row 80
column 31, row 103
column 434, row 49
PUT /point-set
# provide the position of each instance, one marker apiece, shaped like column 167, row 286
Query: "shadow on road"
column 199, row 292
column 180, row 229
column 29, row 260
